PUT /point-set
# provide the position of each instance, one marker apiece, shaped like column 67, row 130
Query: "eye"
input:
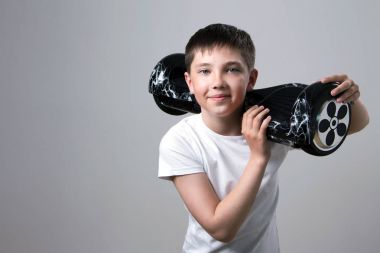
column 233, row 69
column 204, row 71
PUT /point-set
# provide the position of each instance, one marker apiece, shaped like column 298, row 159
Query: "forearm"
column 221, row 218
column 231, row 212
column 359, row 117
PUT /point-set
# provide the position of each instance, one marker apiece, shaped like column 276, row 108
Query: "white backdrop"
column 79, row 132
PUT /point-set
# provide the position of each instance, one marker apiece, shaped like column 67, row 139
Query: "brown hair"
column 221, row 35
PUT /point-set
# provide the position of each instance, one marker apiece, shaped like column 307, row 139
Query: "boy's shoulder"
column 183, row 128
column 184, row 124
column 181, row 141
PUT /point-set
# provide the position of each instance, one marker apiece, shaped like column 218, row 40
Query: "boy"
column 220, row 161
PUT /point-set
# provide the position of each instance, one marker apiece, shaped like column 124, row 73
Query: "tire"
column 330, row 122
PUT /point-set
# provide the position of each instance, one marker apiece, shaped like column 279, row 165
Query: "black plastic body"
column 294, row 107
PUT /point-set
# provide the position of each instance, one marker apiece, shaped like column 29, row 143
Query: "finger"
column 347, row 93
column 334, row 78
column 243, row 123
column 346, row 85
column 253, row 113
column 251, row 108
column 257, row 122
column 351, row 98
column 251, row 118
column 264, row 125
column 247, row 119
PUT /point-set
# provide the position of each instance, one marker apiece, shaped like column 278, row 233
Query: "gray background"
column 79, row 132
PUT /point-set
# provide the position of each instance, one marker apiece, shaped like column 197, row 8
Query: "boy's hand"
column 254, row 127
column 347, row 89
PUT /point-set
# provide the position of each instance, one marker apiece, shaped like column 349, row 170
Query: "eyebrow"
column 202, row 65
column 234, row 63
column 229, row 63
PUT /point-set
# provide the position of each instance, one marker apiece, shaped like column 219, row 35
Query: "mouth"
column 219, row 97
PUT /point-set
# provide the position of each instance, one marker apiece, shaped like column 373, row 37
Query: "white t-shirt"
column 191, row 147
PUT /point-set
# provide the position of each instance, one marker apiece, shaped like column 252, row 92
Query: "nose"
column 218, row 80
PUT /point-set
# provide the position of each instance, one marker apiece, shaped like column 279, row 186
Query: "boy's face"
column 219, row 79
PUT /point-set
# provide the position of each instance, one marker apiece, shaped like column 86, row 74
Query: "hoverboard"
column 303, row 116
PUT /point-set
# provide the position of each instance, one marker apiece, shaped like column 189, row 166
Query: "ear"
column 252, row 79
column 189, row 83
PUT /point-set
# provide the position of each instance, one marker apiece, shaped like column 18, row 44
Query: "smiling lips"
column 219, row 97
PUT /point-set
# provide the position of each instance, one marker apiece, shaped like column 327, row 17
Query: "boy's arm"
column 359, row 117
column 350, row 93
column 222, row 218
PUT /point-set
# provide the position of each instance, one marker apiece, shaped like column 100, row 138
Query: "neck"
column 228, row 126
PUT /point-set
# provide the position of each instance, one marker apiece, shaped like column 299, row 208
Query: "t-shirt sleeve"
column 178, row 156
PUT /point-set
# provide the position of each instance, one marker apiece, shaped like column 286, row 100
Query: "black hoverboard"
column 303, row 116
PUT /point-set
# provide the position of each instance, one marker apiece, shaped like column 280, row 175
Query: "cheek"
column 200, row 85
column 241, row 96
column 241, row 92
column 241, row 85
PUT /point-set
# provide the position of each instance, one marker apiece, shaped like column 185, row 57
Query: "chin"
column 225, row 113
